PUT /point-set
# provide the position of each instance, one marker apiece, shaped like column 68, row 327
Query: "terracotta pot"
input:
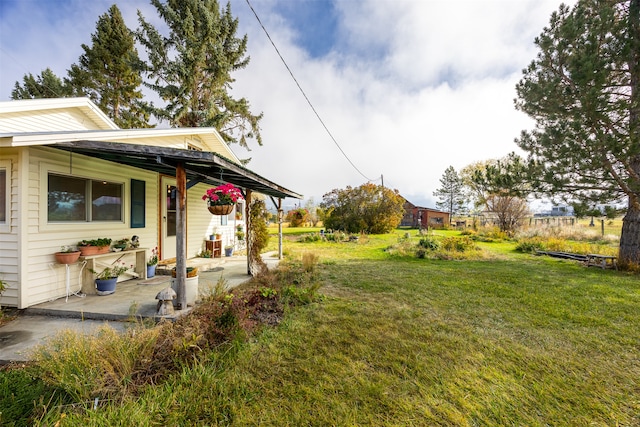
column 67, row 257
column 88, row 250
column 221, row 209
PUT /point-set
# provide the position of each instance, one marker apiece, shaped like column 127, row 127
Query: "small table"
column 215, row 246
column 602, row 261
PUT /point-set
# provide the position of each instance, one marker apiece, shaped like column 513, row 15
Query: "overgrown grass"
column 397, row 340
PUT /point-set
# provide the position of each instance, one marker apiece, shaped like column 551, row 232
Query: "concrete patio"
column 133, row 299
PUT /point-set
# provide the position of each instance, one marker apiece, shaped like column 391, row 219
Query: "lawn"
column 400, row 341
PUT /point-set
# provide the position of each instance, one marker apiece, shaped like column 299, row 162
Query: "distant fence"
column 547, row 221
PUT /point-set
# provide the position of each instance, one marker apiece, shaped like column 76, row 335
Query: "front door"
column 169, row 207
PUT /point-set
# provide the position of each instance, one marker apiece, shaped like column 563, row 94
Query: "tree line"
column 190, row 70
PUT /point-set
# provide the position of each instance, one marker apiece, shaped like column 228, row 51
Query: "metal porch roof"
column 200, row 166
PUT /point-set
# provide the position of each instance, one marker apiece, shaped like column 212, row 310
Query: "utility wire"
column 304, row 94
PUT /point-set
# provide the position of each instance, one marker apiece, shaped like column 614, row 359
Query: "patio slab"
column 133, row 299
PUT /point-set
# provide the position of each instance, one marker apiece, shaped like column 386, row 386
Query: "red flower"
column 225, row 194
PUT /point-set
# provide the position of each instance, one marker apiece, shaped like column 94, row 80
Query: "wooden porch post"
column 181, row 228
column 249, row 234
column 279, row 217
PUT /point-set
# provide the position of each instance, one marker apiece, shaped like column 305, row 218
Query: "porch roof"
column 200, row 166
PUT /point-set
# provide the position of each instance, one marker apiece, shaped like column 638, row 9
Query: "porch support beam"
column 181, row 236
column 279, row 217
column 193, row 182
column 249, row 233
column 278, row 206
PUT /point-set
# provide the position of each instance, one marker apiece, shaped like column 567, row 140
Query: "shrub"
column 530, row 245
column 310, row 238
column 459, row 244
column 429, row 242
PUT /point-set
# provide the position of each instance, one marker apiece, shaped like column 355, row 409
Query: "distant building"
column 421, row 217
column 557, row 211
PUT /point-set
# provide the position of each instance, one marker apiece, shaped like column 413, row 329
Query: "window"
column 3, row 196
column 81, row 199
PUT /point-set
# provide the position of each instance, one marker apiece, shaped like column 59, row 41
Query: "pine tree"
column 451, row 193
column 46, row 85
column 191, row 68
column 583, row 91
column 109, row 72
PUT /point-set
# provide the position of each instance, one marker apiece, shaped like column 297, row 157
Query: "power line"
column 304, row 94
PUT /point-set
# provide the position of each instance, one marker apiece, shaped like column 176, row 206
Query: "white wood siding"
column 46, row 279
column 9, row 232
column 201, row 224
column 47, row 121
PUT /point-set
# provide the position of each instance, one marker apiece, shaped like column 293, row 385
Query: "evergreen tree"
column 109, row 72
column 46, row 85
column 451, row 193
column 583, row 91
column 191, row 68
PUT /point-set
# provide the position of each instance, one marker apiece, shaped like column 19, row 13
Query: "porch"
column 136, row 298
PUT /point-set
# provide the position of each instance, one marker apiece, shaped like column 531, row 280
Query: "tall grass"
column 397, row 340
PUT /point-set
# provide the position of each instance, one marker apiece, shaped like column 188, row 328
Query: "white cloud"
column 410, row 88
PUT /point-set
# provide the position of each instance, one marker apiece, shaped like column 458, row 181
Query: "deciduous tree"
column 501, row 186
column 191, row 68
column 583, row 91
column 369, row 208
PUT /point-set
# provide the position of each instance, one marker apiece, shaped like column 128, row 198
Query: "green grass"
column 400, row 341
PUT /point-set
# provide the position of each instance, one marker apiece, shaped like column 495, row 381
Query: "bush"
column 310, row 238
column 530, row 245
column 459, row 244
column 429, row 242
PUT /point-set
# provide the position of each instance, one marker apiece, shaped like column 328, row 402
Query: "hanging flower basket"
column 220, row 209
column 222, row 199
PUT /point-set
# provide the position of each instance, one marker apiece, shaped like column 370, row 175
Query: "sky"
column 403, row 88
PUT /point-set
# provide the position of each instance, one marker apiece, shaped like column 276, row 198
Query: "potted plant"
column 191, row 284
column 239, row 232
column 94, row 246
column 152, row 263
column 120, row 245
column 228, row 250
column 106, row 279
column 67, row 255
column 222, row 199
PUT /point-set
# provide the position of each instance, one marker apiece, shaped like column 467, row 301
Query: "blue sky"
column 406, row 87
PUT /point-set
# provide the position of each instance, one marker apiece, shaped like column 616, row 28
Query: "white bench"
column 101, row 261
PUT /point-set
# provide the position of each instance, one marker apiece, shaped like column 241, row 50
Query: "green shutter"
column 138, row 207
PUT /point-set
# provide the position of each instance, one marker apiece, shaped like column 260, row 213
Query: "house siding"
column 201, row 224
column 9, row 231
column 42, row 278
column 50, row 121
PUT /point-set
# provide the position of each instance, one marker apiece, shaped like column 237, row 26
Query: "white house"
column 68, row 173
